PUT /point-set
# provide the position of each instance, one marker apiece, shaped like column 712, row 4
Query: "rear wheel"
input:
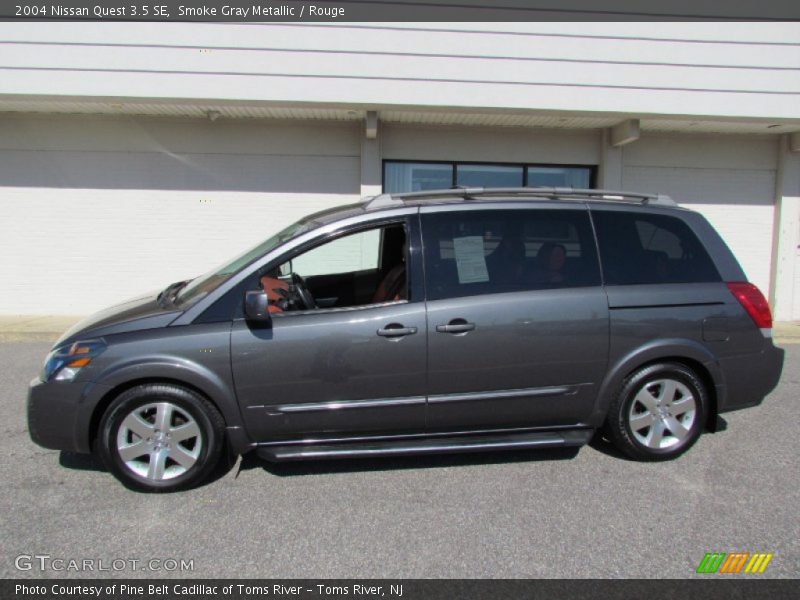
column 659, row 412
column 161, row 438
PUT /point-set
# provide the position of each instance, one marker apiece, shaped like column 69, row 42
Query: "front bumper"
column 60, row 413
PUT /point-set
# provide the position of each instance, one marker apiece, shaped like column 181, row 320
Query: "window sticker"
column 470, row 260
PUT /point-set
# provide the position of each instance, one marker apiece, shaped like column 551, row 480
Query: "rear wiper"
column 168, row 293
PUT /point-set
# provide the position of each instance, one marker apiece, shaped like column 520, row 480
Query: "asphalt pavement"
column 508, row 515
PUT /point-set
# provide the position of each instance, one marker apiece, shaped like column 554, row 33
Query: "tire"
column 161, row 438
column 652, row 402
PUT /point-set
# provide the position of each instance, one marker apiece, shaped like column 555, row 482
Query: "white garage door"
column 796, row 296
column 97, row 210
column 733, row 189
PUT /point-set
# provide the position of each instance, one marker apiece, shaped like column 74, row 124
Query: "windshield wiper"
column 167, row 295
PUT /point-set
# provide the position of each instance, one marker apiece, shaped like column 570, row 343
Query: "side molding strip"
column 563, row 390
column 344, row 404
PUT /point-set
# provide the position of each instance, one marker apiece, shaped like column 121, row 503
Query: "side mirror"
column 256, row 307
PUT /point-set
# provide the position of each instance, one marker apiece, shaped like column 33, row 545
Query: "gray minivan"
column 439, row 321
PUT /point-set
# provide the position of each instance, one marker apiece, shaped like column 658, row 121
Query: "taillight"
column 753, row 301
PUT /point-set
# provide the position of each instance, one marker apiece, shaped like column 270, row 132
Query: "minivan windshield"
column 199, row 287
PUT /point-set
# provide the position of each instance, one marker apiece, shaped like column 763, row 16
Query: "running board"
column 438, row 445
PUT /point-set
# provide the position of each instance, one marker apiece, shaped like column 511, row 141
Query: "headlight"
column 64, row 363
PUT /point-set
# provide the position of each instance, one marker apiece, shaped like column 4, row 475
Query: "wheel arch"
column 106, row 400
column 689, row 353
column 186, row 374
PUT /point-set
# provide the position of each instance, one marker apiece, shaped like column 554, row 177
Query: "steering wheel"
column 302, row 292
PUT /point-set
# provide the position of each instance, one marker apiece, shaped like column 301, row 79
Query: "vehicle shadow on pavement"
column 80, row 462
column 90, row 462
column 604, row 446
column 392, row 463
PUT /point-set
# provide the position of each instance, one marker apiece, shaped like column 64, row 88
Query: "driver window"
column 348, row 254
column 362, row 268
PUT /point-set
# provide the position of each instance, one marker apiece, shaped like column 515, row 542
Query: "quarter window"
column 648, row 249
column 495, row 251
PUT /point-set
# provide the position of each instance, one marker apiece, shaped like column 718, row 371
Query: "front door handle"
column 456, row 326
column 395, row 330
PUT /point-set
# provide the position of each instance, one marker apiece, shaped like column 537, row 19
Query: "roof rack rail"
column 554, row 193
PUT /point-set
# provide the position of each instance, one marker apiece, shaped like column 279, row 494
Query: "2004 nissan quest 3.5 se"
column 446, row 321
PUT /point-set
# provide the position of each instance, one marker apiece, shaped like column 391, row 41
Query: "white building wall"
column 721, row 69
column 96, row 210
column 514, row 145
column 120, row 206
column 795, row 315
column 786, row 254
column 187, row 189
column 730, row 179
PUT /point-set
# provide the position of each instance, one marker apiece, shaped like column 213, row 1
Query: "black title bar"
column 709, row 588
column 400, row 10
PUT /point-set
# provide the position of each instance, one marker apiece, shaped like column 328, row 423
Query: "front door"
column 343, row 369
column 517, row 319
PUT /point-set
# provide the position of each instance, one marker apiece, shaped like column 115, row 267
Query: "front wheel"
column 659, row 413
column 161, row 438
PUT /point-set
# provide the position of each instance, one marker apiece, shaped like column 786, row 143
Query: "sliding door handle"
column 456, row 326
column 394, row 330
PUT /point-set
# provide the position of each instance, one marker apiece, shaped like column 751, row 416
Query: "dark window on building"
column 495, row 251
column 417, row 177
column 489, row 176
column 646, row 249
column 407, row 176
column 575, row 177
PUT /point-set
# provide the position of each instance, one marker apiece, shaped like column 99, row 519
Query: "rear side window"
column 496, row 251
column 648, row 249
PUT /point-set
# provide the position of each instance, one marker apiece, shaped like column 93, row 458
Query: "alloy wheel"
column 662, row 414
column 159, row 441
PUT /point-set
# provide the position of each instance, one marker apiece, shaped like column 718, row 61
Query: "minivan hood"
column 136, row 314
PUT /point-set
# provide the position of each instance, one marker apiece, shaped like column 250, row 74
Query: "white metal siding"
column 98, row 210
column 508, row 144
column 718, row 69
column 730, row 180
column 796, row 295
